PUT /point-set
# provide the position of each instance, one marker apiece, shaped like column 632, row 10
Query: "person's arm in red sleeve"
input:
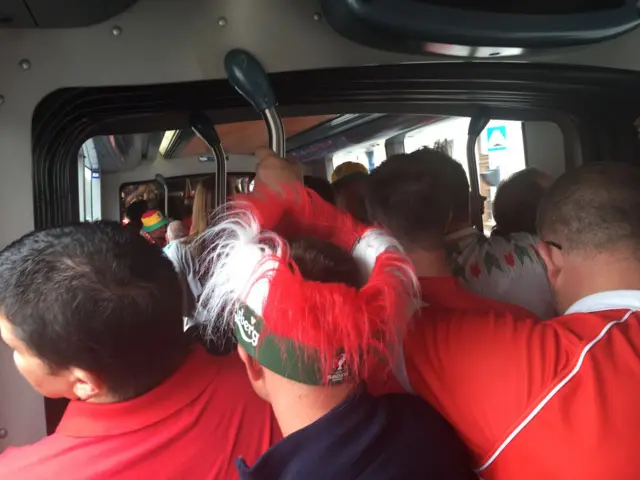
column 483, row 371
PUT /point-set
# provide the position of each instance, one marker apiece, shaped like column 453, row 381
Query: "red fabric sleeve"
column 483, row 370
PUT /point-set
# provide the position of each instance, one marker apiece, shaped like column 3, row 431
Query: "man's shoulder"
column 433, row 440
column 463, row 302
column 413, row 412
column 409, row 403
column 41, row 460
column 436, row 316
column 416, row 414
column 176, row 247
column 489, row 305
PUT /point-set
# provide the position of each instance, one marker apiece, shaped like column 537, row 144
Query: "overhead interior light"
column 166, row 140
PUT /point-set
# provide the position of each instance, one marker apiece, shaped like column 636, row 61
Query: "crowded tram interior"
column 448, row 186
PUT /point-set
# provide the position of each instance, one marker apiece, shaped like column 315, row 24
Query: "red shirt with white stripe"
column 192, row 426
column 533, row 400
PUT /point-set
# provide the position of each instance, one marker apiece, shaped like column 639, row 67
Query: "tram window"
column 181, row 189
column 370, row 155
column 90, row 204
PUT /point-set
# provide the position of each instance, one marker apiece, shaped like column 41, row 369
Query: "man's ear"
column 553, row 260
column 254, row 369
column 86, row 386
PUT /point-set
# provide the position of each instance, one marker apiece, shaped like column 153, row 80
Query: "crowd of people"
column 358, row 329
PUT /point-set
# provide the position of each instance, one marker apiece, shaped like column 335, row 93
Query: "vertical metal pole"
column 205, row 129
column 476, row 125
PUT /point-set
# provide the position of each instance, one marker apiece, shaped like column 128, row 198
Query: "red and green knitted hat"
column 152, row 220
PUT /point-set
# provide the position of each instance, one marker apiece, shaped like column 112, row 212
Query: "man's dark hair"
column 98, row 297
column 344, row 182
column 321, row 186
column 349, row 194
column 594, row 208
column 515, row 207
column 134, row 213
column 417, row 195
column 136, row 209
column 324, row 262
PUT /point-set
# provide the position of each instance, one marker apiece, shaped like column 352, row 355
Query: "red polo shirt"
column 192, row 426
column 554, row 400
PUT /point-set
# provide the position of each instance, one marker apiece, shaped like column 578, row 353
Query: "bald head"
column 176, row 231
column 594, row 208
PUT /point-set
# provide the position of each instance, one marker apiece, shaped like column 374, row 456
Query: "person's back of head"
column 325, row 263
column 91, row 312
column 175, row 231
column 321, row 186
column 589, row 221
column 154, row 203
column 346, row 169
column 417, row 197
column 134, row 213
column 304, row 314
column 349, row 194
column 515, row 207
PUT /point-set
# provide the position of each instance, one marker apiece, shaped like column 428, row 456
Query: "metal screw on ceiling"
column 4, row 433
column 222, row 22
column 116, row 30
column 317, row 16
column 25, row 64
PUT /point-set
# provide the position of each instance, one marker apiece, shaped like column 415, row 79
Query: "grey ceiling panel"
column 15, row 14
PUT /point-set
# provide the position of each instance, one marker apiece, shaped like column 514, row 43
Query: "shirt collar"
column 460, row 234
column 612, row 300
column 329, row 435
column 86, row 419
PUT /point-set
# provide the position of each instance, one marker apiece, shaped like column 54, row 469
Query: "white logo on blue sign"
column 497, row 138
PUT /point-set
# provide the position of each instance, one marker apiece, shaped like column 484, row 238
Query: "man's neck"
column 458, row 225
column 588, row 275
column 300, row 407
column 432, row 263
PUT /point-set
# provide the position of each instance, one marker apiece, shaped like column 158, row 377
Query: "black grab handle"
column 249, row 78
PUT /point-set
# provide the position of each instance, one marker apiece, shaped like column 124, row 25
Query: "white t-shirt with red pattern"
column 508, row 269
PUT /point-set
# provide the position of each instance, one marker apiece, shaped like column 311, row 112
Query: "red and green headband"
column 309, row 332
